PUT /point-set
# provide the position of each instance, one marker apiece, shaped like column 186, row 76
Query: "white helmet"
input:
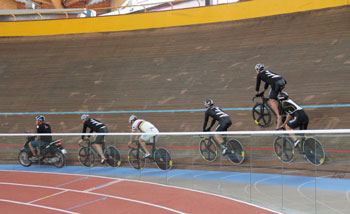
column 84, row 116
column 259, row 66
column 208, row 103
column 132, row 118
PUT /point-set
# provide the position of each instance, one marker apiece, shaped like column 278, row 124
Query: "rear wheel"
column 163, row 159
column 314, row 152
column 261, row 115
column 23, row 159
column 86, row 156
column 284, row 148
column 235, row 152
column 60, row 159
column 136, row 158
column 112, row 155
column 208, row 149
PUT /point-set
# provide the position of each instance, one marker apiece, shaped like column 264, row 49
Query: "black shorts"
column 276, row 88
column 223, row 126
column 99, row 139
column 300, row 120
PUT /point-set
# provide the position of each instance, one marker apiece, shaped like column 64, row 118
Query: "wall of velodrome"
column 193, row 16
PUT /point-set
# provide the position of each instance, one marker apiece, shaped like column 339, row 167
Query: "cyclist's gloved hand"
column 260, row 94
column 206, row 130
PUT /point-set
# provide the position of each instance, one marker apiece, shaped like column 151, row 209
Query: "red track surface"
column 28, row 192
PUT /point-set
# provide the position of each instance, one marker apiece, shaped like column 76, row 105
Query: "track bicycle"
column 263, row 112
column 159, row 155
column 87, row 154
column 208, row 148
column 309, row 147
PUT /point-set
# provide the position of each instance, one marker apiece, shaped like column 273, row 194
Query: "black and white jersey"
column 44, row 128
column 217, row 114
column 268, row 77
column 289, row 107
column 93, row 124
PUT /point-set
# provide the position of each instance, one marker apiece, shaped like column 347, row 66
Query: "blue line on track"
column 90, row 202
column 72, row 181
column 157, row 111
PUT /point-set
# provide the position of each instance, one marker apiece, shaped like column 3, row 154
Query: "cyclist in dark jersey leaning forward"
column 42, row 140
column 277, row 85
column 296, row 116
column 98, row 127
column 218, row 115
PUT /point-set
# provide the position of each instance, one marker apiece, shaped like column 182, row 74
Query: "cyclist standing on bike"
column 277, row 85
column 98, row 127
column 296, row 116
column 140, row 125
column 218, row 115
column 40, row 141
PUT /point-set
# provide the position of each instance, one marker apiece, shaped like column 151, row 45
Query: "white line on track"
column 35, row 205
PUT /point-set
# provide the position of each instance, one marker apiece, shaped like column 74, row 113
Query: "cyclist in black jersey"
column 98, row 127
column 296, row 116
column 42, row 140
column 277, row 85
column 218, row 115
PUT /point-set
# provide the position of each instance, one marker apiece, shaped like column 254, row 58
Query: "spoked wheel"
column 86, row 157
column 314, row 152
column 112, row 155
column 235, row 152
column 163, row 159
column 284, row 149
column 261, row 115
column 136, row 158
column 23, row 158
column 208, row 150
column 60, row 159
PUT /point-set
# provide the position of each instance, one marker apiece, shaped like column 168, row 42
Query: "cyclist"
column 140, row 125
column 296, row 116
column 42, row 140
column 98, row 127
column 277, row 85
column 218, row 115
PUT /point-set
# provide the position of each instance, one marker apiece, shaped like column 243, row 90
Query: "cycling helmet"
column 132, row 118
column 40, row 117
column 208, row 103
column 282, row 96
column 84, row 116
column 259, row 66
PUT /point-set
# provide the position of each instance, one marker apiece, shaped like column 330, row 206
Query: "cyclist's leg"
column 221, row 128
column 98, row 145
column 142, row 140
column 274, row 91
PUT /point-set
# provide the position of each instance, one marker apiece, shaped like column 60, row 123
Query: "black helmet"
column 208, row 103
column 282, row 96
column 40, row 117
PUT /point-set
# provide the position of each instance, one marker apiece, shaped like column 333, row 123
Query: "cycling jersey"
column 44, row 128
column 290, row 107
column 268, row 77
column 218, row 115
column 144, row 126
column 94, row 126
column 299, row 117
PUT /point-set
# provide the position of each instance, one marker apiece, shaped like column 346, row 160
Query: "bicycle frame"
column 265, row 102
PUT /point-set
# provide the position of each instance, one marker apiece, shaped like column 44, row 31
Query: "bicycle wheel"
column 235, row 151
column 314, row 152
column 112, row 155
column 163, row 159
column 136, row 158
column 86, row 156
column 261, row 115
column 208, row 150
column 284, row 148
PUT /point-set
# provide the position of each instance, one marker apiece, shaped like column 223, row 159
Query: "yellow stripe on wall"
column 199, row 15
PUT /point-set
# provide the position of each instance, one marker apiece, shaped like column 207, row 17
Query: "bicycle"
column 160, row 156
column 208, row 148
column 262, row 112
column 87, row 153
column 309, row 147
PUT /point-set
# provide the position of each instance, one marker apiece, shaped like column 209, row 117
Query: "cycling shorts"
column 276, row 88
column 300, row 120
column 223, row 126
column 100, row 139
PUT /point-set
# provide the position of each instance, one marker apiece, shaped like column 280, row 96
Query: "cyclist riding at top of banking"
column 296, row 116
column 140, row 125
column 98, row 127
column 40, row 141
column 277, row 85
column 218, row 115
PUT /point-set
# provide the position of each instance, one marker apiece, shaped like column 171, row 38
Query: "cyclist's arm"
column 212, row 123
column 205, row 121
column 84, row 131
column 289, row 117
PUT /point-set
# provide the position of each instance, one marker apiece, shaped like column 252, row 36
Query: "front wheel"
column 262, row 115
column 60, row 159
column 208, row 149
column 23, row 159
column 163, row 159
column 86, row 156
column 284, row 149
column 314, row 152
column 136, row 158
column 235, row 151
column 112, row 155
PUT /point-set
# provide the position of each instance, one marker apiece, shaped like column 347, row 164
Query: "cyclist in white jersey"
column 140, row 125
